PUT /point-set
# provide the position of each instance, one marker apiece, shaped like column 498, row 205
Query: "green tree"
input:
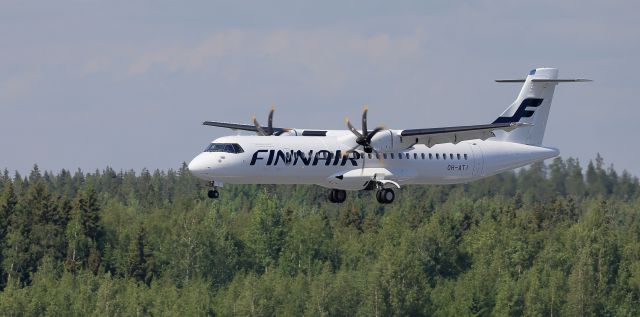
column 266, row 231
column 18, row 261
column 8, row 201
column 84, row 233
column 140, row 260
column 49, row 222
column 557, row 176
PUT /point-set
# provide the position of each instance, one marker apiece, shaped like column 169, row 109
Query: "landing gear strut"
column 385, row 195
column 337, row 196
column 213, row 191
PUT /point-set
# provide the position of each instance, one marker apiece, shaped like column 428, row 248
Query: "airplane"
column 384, row 159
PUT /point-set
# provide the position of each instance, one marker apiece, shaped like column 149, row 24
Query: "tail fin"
column 532, row 105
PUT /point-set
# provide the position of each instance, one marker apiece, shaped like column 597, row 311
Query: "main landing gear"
column 337, row 196
column 213, row 191
column 385, row 195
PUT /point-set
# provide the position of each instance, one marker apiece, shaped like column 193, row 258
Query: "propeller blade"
column 259, row 129
column 347, row 152
column 364, row 120
column 353, row 130
column 270, row 121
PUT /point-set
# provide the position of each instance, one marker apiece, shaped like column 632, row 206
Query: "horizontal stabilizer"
column 542, row 80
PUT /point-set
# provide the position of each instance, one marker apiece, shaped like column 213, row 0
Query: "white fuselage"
column 320, row 161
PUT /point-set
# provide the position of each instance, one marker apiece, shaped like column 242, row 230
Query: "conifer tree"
column 8, row 201
column 18, row 260
column 48, row 223
column 140, row 259
column 266, row 234
column 84, row 232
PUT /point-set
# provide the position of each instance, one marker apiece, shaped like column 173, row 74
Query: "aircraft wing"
column 244, row 127
column 433, row 136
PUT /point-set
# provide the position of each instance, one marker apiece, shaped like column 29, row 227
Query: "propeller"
column 363, row 139
column 268, row 130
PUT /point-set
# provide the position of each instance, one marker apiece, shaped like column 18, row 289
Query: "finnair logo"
column 324, row 157
column 522, row 112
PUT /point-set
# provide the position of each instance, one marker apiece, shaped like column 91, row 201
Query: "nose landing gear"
column 213, row 190
column 385, row 195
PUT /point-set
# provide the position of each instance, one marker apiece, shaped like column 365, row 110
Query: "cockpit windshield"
column 224, row 147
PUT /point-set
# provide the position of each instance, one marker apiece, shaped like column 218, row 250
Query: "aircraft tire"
column 388, row 195
column 213, row 194
column 379, row 196
column 337, row 196
column 385, row 196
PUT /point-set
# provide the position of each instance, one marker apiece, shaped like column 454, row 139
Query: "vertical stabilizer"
column 532, row 106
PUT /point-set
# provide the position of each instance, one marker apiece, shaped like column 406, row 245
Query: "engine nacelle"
column 290, row 132
column 387, row 141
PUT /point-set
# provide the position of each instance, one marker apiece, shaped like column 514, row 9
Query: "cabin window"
column 458, row 155
column 415, row 156
column 399, row 156
column 422, row 155
column 437, row 156
column 451, row 156
column 369, row 154
column 465, row 156
column 444, row 156
column 384, row 155
column 392, row 156
column 430, row 156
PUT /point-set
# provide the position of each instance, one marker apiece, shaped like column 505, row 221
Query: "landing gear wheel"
column 213, row 194
column 337, row 196
column 389, row 195
column 385, row 196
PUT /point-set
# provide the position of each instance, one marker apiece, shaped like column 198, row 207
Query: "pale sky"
column 127, row 84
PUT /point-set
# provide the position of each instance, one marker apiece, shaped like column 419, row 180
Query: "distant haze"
column 89, row 84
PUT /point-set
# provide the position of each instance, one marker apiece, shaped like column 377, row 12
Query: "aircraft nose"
column 198, row 167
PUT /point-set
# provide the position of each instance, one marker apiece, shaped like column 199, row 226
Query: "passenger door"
column 478, row 159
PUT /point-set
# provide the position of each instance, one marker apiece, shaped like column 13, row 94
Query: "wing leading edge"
column 433, row 136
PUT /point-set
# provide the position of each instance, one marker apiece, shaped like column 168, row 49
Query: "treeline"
column 548, row 240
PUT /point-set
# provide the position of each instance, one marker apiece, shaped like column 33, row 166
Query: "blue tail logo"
column 522, row 111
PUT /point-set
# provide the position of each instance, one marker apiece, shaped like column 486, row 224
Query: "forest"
column 552, row 239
